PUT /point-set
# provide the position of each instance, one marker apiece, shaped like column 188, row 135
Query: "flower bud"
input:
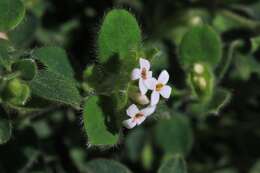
column 198, row 68
column 201, row 80
column 16, row 92
column 3, row 36
column 137, row 97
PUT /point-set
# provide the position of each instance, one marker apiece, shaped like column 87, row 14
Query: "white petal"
column 163, row 77
column 150, row 83
column 142, row 87
column 140, row 120
column 132, row 110
column 129, row 123
column 149, row 74
column 148, row 110
column 136, row 74
column 155, row 98
column 144, row 63
column 166, row 91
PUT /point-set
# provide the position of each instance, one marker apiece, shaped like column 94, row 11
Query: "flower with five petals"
column 143, row 74
column 137, row 116
column 159, row 87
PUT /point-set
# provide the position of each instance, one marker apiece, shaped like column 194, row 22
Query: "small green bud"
column 88, row 72
column 14, row 87
column 198, row 68
column 196, row 20
column 200, row 82
column 16, row 92
column 201, row 79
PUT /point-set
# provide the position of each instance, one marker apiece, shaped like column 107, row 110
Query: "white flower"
column 159, row 87
column 143, row 74
column 137, row 116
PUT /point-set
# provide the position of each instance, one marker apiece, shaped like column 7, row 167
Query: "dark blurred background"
column 54, row 141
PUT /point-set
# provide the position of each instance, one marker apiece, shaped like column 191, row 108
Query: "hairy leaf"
column 11, row 14
column 55, row 59
column 96, row 121
column 119, row 34
column 55, row 87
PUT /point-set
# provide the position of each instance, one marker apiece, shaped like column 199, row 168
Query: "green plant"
column 117, row 97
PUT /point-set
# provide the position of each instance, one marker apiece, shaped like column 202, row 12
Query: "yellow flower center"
column 158, row 86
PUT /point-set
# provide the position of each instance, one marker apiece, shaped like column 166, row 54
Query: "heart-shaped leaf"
column 179, row 137
column 201, row 44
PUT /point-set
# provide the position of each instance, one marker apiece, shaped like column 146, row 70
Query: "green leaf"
column 176, row 164
column 26, row 67
column 112, row 77
column 185, row 20
column 5, row 48
column 11, row 14
column 95, row 123
column 179, row 137
column 108, row 166
column 55, row 87
column 201, row 44
column 55, row 59
column 24, row 33
column 119, row 34
column 5, row 130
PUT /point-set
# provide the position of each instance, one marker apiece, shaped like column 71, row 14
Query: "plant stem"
column 235, row 44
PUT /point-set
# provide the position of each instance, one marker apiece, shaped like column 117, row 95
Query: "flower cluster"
column 147, row 82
